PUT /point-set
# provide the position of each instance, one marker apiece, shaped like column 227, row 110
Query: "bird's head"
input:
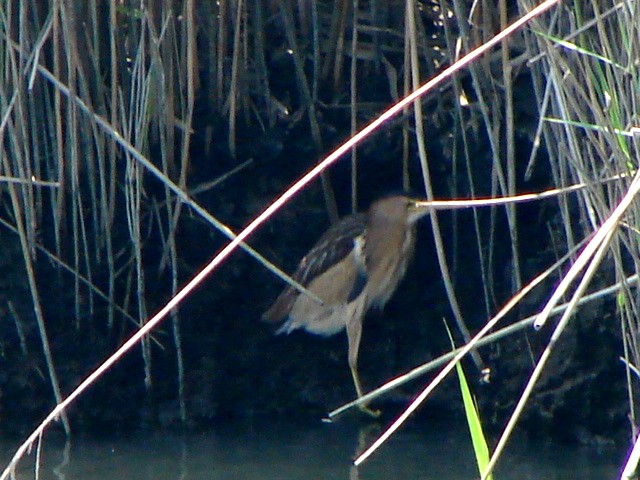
column 399, row 208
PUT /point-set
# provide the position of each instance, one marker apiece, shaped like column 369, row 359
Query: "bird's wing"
column 336, row 243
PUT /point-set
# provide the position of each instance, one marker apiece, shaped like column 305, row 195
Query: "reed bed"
column 103, row 104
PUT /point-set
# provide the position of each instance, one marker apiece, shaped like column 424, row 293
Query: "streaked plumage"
column 357, row 264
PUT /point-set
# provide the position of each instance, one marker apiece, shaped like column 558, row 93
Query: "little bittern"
column 357, row 264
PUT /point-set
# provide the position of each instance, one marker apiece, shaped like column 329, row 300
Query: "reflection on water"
column 321, row 452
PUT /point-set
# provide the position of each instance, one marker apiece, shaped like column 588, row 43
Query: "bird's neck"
column 392, row 239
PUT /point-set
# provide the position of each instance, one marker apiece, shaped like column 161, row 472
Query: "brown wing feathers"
column 336, row 243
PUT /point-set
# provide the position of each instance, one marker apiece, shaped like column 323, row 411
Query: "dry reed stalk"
column 189, row 77
column 453, row 45
column 509, row 152
column 427, row 179
column 353, row 97
column 307, row 103
column 234, row 92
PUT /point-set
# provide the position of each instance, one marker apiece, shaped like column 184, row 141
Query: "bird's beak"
column 419, row 209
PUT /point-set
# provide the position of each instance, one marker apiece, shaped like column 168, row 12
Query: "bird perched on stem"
column 357, row 264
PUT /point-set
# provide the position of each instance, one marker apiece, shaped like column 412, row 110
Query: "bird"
column 356, row 265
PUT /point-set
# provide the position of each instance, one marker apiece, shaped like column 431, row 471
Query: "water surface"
column 325, row 451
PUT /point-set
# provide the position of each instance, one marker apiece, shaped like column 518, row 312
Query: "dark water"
column 321, row 452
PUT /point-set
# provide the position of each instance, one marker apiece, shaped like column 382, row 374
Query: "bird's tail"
column 279, row 311
column 286, row 328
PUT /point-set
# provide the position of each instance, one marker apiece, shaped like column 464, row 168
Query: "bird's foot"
column 368, row 411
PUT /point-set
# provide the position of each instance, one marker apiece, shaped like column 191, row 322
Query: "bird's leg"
column 354, row 333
